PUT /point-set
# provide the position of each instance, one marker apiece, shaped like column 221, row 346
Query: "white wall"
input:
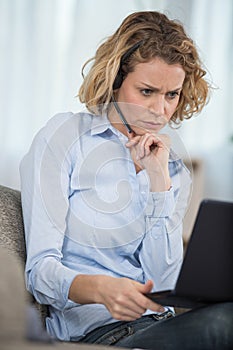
column 43, row 45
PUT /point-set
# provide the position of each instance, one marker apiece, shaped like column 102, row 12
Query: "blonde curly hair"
column 159, row 37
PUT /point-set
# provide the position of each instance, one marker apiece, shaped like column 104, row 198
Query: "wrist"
column 87, row 289
column 159, row 182
column 101, row 284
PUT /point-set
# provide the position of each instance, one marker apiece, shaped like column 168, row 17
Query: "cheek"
column 130, row 103
column 131, row 110
column 128, row 93
column 128, row 96
column 172, row 107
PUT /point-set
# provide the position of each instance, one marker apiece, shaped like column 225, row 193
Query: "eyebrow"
column 157, row 89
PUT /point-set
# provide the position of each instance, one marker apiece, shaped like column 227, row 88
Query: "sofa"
column 22, row 319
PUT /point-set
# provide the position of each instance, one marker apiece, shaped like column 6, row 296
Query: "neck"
column 117, row 124
column 116, row 121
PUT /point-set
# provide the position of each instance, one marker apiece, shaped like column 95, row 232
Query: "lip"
column 152, row 125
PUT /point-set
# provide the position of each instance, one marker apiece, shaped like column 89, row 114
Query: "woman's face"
column 149, row 95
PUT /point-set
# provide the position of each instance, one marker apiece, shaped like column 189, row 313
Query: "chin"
column 142, row 131
column 139, row 131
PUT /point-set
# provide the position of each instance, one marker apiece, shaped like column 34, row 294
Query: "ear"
column 118, row 80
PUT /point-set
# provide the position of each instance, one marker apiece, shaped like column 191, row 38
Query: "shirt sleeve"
column 161, row 252
column 45, row 173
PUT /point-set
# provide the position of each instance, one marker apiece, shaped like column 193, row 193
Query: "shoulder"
column 67, row 124
column 63, row 129
column 59, row 135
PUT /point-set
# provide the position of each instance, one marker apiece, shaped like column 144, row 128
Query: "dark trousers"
column 209, row 327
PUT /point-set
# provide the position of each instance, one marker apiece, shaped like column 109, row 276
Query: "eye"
column 146, row 92
column 173, row 94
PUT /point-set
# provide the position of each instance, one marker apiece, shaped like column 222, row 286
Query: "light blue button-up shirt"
column 87, row 211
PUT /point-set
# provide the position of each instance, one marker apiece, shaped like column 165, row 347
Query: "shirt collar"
column 101, row 123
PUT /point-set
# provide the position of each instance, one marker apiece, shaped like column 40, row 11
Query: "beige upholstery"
column 11, row 223
column 13, row 295
column 12, row 306
column 12, row 230
column 13, row 316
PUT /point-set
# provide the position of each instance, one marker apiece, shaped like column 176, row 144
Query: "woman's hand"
column 151, row 152
column 123, row 297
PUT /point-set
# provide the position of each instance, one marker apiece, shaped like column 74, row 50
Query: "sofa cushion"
column 12, row 232
column 13, row 298
column 11, row 222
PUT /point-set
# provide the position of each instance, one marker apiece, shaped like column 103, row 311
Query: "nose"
column 157, row 105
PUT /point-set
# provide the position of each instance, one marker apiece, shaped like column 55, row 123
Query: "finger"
column 144, row 287
column 133, row 304
column 155, row 307
column 144, row 145
column 133, row 141
column 163, row 141
column 126, row 317
column 131, row 313
column 131, row 135
column 127, row 310
column 150, row 145
column 146, row 302
column 147, row 287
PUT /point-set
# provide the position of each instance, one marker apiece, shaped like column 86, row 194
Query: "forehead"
column 157, row 70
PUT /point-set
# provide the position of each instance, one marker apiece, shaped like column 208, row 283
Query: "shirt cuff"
column 70, row 276
column 160, row 204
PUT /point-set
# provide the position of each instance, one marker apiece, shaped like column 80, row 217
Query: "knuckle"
column 116, row 310
column 120, row 300
column 116, row 316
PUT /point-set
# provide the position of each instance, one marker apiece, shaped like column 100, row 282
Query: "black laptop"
column 206, row 275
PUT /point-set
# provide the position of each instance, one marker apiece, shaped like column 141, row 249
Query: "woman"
column 104, row 197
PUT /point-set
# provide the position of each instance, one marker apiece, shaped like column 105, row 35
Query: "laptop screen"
column 207, row 270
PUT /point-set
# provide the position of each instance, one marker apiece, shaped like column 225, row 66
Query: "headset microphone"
column 119, row 80
column 120, row 74
column 124, row 121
